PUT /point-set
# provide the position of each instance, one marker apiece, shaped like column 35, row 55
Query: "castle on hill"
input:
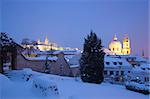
column 46, row 45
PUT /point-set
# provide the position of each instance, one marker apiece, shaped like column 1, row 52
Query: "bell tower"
column 126, row 46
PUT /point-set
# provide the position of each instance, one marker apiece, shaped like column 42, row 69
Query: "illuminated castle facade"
column 46, row 46
column 120, row 48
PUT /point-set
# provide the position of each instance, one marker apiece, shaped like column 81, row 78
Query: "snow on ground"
column 18, row 87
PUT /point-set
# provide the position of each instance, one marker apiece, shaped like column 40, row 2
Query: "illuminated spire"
column 46, row 40
column 115, row 38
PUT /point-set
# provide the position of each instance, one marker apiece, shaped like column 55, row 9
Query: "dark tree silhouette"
column 92, row 60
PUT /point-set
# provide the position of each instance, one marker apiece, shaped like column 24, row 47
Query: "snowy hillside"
column 27, row 84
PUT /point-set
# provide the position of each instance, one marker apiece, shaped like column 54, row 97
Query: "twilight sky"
column 67, row 22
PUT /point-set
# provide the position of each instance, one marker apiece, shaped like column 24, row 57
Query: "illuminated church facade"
column 120, row 48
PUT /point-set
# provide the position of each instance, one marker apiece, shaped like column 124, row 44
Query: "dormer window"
column 115, row 63
column 107, row 63
column 120, row 63
column 143, row 68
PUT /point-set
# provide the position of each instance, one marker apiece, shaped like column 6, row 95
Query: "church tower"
column 126, row 46
column 46, row 40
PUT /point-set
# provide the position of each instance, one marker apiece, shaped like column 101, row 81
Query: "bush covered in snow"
column 45, row 87
column 141, row 88
column 27, row 74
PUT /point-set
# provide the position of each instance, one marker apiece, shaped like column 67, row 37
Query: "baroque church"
column 120, row 48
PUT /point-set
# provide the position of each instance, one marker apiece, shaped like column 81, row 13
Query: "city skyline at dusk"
column 67, row 23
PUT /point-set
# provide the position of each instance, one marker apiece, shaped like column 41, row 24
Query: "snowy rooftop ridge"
column 52, row 58
column 67, row 52
column 118, row 62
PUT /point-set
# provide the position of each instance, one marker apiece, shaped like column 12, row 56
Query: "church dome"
column 115, row 46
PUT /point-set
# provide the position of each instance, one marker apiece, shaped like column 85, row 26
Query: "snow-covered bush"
column 45, row 86
column 134, row 86
column 27, row 74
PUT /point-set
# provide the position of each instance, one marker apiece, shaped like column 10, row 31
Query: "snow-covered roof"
column 143, row 68
column 68, row 52
column 108, row 52
column 74, row 61
column 115, row 62
column 52, row 58
column 109, row 62
column 137, row 58
column 74, row 65
column 145, row 65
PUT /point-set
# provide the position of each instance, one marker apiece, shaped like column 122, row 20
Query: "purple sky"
column 67, row 22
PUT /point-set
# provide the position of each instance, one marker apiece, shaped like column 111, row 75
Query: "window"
column 127, row 52
column 105, row 72
column 113, row 49
column 107, row 63
column 117, row 73
column 146, row 79
column 143, row 68
column 120, row 63
column 128, row 71
column 115, row 63
column 111, row 72
column 122, row 72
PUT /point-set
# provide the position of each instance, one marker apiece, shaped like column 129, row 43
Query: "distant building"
column 118, row 48
column 46, row 46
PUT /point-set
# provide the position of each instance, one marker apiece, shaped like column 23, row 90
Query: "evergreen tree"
column 6, row 45
column 92, row 60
